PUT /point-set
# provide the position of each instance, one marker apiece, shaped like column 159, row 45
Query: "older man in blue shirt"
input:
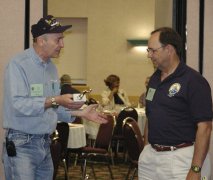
column 33, row 104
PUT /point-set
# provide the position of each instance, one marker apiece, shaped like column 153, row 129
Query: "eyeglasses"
column 151, row 50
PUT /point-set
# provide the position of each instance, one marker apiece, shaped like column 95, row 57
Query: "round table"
column 91, row 128
column 141, row 119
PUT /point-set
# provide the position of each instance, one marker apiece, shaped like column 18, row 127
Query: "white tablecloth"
column 91, row 128
column 141, row 119
column 77, row 136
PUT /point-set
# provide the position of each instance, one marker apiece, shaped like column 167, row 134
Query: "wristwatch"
column 53, row 103
column 195, row 169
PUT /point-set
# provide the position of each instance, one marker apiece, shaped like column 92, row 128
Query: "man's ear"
column 41, row 40
column 171, row 49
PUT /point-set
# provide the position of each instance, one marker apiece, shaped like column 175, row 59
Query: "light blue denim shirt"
column 27, row 83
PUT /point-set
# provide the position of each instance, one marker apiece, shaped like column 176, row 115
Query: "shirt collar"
column 36, row 58
column 179, row 70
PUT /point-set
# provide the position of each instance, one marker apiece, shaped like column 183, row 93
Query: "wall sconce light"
column 138, row 42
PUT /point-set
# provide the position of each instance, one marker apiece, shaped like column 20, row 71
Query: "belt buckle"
column 173, row 148
column 161, row 147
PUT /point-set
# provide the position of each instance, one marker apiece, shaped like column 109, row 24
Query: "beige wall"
column 208, row 48
column 110, row 24
column 75, row 53
column 163, row 13
column 193, row 33
column 208, row 39
column 9, row 37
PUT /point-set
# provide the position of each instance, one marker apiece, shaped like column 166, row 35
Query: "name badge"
column 36, row 90
column 150, row 94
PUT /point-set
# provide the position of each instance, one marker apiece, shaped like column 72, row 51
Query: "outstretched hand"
column 91, row 114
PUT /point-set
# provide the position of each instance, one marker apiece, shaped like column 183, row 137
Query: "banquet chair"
column 100, row 148
column 63, row 134
column 118, row 134
column 134, row 143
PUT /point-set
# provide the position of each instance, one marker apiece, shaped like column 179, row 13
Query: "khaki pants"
column 168, row 165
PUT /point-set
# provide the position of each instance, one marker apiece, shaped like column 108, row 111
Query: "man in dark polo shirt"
column 179, row 113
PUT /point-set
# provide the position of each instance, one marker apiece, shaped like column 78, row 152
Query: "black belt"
column 159, row 148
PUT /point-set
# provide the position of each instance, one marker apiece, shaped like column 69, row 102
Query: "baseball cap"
column 48, row 24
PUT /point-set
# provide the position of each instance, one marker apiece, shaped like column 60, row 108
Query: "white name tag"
column 150, row 94
column 36, row 90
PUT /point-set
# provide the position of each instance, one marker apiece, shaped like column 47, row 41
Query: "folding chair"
column 101, row 147
column 134, row 143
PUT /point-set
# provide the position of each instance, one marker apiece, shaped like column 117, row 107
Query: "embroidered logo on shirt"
column 174, row 88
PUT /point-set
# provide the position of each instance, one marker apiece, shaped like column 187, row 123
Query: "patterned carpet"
column 119, row 171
